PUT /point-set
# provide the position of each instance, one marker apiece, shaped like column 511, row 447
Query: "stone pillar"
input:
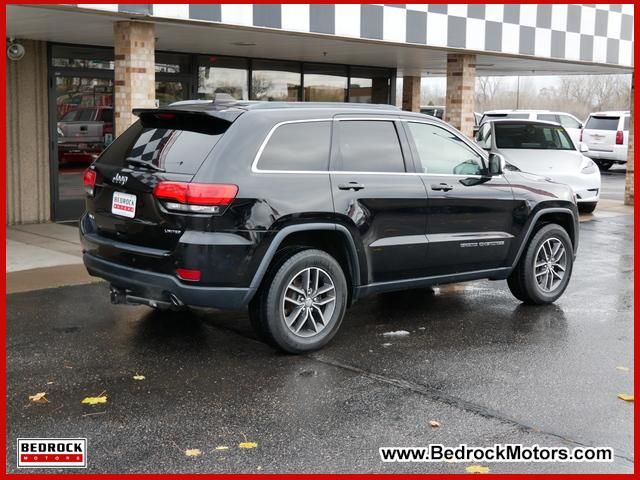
column 628, row 189
column 135, row 86
column 28, row 192
column 411, row 94
column 461, row 84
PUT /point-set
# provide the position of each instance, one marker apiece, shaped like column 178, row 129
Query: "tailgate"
column 600, row 133
column 160, row 147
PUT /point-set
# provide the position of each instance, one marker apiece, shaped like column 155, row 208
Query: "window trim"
column 256, row 160
column 405, row 150
column 411, row 147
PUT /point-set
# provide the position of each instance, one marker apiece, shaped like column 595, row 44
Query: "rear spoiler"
column 213, row 122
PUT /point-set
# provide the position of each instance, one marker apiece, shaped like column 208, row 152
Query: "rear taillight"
column 195, row 197
column 89, row 180
column 187, row 274
column 619, row 137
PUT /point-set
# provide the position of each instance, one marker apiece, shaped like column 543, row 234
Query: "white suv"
column 571, row 124
column 607, row 136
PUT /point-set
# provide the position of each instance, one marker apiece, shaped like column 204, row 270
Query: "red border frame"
column 3, row 343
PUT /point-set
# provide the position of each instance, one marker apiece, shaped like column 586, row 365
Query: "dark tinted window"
column 626, row 123
column 441, row 151
column 298, row 146
column 173, row 149
column 602, row 123
column 369, row 146
column 532, row 136
column 107, row 115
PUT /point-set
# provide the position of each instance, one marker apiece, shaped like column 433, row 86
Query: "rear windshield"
column 602, row 123
column 176, row 150
column 80, row 115
column 531, row 136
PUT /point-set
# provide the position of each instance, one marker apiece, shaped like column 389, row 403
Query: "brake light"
column 195, row 197
column 89, row 180
column 619, row 137
column 165, row 116
column 189, row 275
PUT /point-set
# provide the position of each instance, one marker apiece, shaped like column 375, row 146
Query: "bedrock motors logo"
column 52, row 453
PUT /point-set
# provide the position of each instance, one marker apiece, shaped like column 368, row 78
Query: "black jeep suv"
column 298, row 210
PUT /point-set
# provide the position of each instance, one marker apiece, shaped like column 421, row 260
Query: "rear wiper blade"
column 143, row 163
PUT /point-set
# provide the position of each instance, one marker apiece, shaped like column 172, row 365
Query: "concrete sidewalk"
column 44, row 256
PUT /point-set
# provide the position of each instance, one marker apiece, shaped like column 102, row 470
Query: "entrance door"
column 82, row 126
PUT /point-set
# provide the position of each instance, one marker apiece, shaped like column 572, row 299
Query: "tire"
column 604, row 165
column 547, row 282
column 305, row 331
column 587, row 207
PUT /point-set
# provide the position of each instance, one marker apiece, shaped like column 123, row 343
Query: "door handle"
column 351, row 186
column 445, row 187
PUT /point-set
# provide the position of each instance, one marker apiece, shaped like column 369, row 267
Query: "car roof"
column 490, row 112
column 610, row 113
column 522, row 120
column 231, row 110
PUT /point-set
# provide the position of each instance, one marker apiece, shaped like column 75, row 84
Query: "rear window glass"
column 602, row 123
column 175, row 150
column 369, row 146
column 81, row 115
column 298, row 146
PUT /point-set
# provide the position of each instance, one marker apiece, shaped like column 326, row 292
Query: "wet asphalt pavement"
column 487, row 368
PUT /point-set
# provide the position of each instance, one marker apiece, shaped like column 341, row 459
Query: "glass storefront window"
column 222, row 75
column 369, row 85
column 82, row 57
column 325, row 83
column 84, row 116
column 275, row 81
column 172, row 63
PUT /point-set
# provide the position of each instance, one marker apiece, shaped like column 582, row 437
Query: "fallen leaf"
column 477, row 469
column 95, row 400
column 222, row 447
column 623, row 369
column 39, row 397
column 625, row 397
column 434, row 423
column 397, row 333
column 193, row 452
column 247, row 445
column 138, row 377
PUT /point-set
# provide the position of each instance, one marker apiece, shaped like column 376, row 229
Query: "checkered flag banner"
column 598, row 33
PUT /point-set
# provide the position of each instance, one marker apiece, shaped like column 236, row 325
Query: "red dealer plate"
column 123, row 204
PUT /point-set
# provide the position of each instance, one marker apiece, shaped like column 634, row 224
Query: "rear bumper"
column 159, row 286
column 615, row 153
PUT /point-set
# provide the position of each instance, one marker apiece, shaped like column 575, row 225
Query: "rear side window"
column 546, row 117
column 626, row 123
column 602, row 123
column 175, row 147
column 302, row 146
column 569, row 122
column 369, row 146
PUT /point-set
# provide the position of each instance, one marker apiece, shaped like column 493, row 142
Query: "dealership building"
column 86, row 66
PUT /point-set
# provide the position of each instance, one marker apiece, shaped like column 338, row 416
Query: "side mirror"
column 496, row 164
column 583, row 148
